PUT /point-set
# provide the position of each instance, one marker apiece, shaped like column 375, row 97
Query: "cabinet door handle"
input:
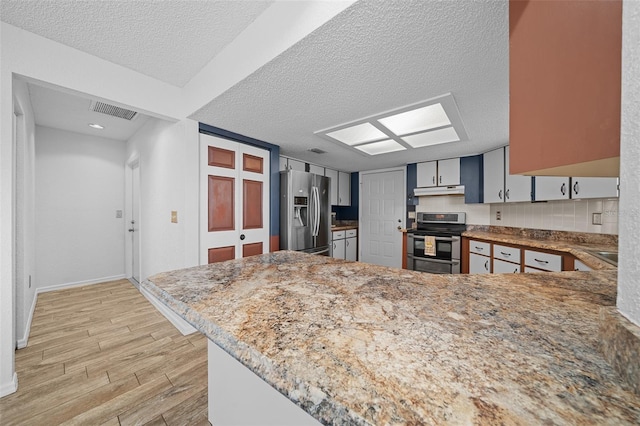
column 440, row 179
column 486, row 265
column 563, row 189
column 479, row 248
column 334, row 246
column 576, row 188
column 500, row 194
column 515, row 271
column 505, row 254
column 506, row 194
column 347, row 241
column 541, row 261
column 433, row 179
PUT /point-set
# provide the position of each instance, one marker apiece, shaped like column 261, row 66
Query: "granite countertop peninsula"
column 576, row 243
column 355, row 343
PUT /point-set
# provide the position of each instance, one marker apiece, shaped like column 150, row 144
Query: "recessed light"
column 381, row 147
column 96, row 126
column 433, row 137
column 365, row 132
column 417, row 120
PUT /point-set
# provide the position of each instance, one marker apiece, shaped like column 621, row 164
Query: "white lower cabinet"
column 545, row 261
column 579, row 266
column 502, row 267
column 479, row 264
column 345, row 244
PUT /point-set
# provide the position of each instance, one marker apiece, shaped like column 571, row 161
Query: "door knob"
column 242, row 237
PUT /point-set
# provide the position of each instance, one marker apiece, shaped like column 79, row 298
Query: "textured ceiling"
column 377, row 56
column 168, row 40
column 60, row 110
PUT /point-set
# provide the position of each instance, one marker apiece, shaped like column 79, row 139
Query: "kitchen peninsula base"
column 354, row 343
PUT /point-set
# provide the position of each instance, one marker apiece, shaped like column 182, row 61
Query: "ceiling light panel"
column 434, row 137
column 381, row 147
column 417, row 120
column 361, row 133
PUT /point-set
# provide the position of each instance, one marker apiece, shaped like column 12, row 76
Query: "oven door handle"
column 413, row 235
column 427, row 259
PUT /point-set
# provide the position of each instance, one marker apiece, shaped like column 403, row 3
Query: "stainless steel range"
column 435, row 245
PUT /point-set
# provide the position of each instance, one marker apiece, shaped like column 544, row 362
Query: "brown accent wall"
column 565, row 83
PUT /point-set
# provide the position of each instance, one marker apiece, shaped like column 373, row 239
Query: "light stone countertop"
column 354, row 343
column 580, row 249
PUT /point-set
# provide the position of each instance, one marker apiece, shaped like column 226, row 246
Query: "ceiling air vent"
column 113, row 110
column 317, row 151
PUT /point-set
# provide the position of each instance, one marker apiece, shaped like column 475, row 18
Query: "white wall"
column 477, row 214
column 25, row 276
column 564, row 215
column 629, row 226
column 79, row 187
column 168, row 157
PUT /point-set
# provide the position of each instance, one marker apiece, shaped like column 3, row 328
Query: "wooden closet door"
column 234, row 195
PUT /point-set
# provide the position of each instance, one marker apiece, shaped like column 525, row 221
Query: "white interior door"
column 382, row 214
column 134, row 230
column 234, row 195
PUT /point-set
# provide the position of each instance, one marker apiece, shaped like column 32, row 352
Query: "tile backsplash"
column 566, row 215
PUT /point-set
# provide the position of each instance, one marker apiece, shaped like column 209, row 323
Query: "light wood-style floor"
column 102, row 354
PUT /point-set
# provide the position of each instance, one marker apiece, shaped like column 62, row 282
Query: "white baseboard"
column 183, row 326
column 79, row 283
column 10, row 387
column 22, row 343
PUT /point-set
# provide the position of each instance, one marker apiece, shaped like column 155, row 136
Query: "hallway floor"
column 102, row 354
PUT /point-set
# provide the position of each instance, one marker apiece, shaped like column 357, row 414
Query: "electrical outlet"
column 174, row 216
column 596, row 218
column 498, row 215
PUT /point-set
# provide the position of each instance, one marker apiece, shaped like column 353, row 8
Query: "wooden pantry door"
column 234, row 194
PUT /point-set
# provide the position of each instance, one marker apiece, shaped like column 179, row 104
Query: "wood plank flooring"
column 102, row 354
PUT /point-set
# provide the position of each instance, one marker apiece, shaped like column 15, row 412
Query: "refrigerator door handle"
column 316, row 211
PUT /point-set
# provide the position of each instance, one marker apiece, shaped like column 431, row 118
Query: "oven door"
column 447, row 248
column 433, row 266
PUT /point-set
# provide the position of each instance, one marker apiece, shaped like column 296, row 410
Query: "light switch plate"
column 174, row 216
column 596, row 218
column 412, row 215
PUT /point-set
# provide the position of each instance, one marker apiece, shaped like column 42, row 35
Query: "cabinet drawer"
column 338, row 235
column 510, row 254
column 545, row 261
column 352, row 233
column 480, row 247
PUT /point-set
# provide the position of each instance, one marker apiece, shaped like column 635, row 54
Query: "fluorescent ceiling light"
column 365, row 132
column 417, row 120
column 381, row 147
column 433, row 137
column 96, row 126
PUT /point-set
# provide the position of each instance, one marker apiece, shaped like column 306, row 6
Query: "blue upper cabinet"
column 472, row 177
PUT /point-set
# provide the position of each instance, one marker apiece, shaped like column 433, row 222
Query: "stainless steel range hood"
column 439, row 190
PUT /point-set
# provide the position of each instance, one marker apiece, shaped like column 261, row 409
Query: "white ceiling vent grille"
column 317, row 151
column 113, row 110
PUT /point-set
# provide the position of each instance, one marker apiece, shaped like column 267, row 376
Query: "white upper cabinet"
column 316, row 169
column 283, row 164
column 594, row 187
column 333, row 174
column 517, row 187
column 344, row 189
column 427, row 174
column 494, row 176
column 549, row 188
column 438, row 173
column 499, row 185
column 449, row 172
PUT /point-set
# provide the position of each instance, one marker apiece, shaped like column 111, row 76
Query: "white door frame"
column 128, row 203
column 403, row 222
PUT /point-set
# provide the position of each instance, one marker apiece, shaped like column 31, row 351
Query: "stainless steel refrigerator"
column 305, row 212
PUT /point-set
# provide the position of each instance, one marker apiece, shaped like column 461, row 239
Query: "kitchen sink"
column 607, row 256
